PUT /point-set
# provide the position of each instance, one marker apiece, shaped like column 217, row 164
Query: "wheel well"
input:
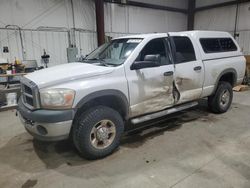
column 111, row 101
column 228, row 77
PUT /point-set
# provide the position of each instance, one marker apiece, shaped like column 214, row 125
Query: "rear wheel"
column 221, row 101
column 97, row 132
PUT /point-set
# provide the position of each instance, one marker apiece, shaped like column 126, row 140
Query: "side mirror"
column 149, row 61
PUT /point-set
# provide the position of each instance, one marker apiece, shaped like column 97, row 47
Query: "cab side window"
column 184, row 49
column 154, row 47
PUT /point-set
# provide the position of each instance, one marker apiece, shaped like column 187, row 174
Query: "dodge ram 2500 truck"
column 134, row 78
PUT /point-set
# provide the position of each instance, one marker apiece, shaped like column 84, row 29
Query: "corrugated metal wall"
column 201, row 3
column 223, row 19
column 34, row 42
column 119, row 21
column 30, row 15
column 129, row 20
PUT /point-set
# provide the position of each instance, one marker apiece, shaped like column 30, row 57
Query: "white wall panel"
column 223, row 19
column 116, row 18
column 84, row 14
column 12, row 41
column 129, row 19
column 34, row 13
column 155, row 21
column 216, row 19
column 244, row 17
column 86, row 42
column 142, row 20
column 244, row 41
column 176, row 21
column 171, row 3
column 201, row 3
column 119, row 21
column 31, row 14
column 55, row 44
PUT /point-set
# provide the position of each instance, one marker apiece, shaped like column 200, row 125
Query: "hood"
column 66, row 72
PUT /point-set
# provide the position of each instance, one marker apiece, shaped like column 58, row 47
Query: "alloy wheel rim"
column 103, row 134
column 225, row 98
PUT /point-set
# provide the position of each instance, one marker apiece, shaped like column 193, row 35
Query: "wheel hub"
column 225, row 98
column 102, row 133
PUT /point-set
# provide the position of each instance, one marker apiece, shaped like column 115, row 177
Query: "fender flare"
column 226, row 71
column 102, row 93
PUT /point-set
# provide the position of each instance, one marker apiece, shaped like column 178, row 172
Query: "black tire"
column 214, row 101
column 82, row 131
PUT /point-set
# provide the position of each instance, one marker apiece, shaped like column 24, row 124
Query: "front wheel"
column 221, row 101
column 97, row 132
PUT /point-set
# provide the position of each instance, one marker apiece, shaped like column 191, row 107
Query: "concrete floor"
column 192, row 149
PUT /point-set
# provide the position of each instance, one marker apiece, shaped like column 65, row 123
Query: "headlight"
column 57, row 98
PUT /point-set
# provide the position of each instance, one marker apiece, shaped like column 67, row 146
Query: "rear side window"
column 184, row 49
column 216, row 45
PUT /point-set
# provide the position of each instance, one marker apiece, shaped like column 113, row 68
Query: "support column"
column 99, row 10
column 191, row 14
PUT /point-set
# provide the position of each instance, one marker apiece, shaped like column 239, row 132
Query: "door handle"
column 169, row 73
column 197, row 68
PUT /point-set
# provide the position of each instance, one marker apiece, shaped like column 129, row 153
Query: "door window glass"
column 154, row 47
column 184, row 49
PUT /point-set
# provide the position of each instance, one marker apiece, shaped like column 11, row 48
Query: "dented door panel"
column 189, row 82
column 189, row 69
column 150, row 90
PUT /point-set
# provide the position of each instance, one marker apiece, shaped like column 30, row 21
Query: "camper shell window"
column 216, row 45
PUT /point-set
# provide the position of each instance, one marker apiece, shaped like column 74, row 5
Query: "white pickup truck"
column 134, row 78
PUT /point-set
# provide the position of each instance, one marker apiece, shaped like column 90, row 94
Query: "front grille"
column 29, row 100
column 29, row 94
column 27, row 90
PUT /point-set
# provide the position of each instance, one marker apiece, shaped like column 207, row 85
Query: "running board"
column 163, row 113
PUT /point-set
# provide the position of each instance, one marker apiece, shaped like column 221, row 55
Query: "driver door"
column 151, row 89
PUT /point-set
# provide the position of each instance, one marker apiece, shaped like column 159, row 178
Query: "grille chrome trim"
column 30, row 94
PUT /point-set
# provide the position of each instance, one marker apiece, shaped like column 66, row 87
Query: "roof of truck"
column 195, row 34
column 143, row 35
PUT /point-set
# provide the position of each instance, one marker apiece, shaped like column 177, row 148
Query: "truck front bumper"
column 46, row 125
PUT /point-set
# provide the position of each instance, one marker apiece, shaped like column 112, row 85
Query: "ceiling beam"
column 147, row 5
column 218, row 5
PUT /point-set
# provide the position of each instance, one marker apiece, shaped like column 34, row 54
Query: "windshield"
column 113, row 53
